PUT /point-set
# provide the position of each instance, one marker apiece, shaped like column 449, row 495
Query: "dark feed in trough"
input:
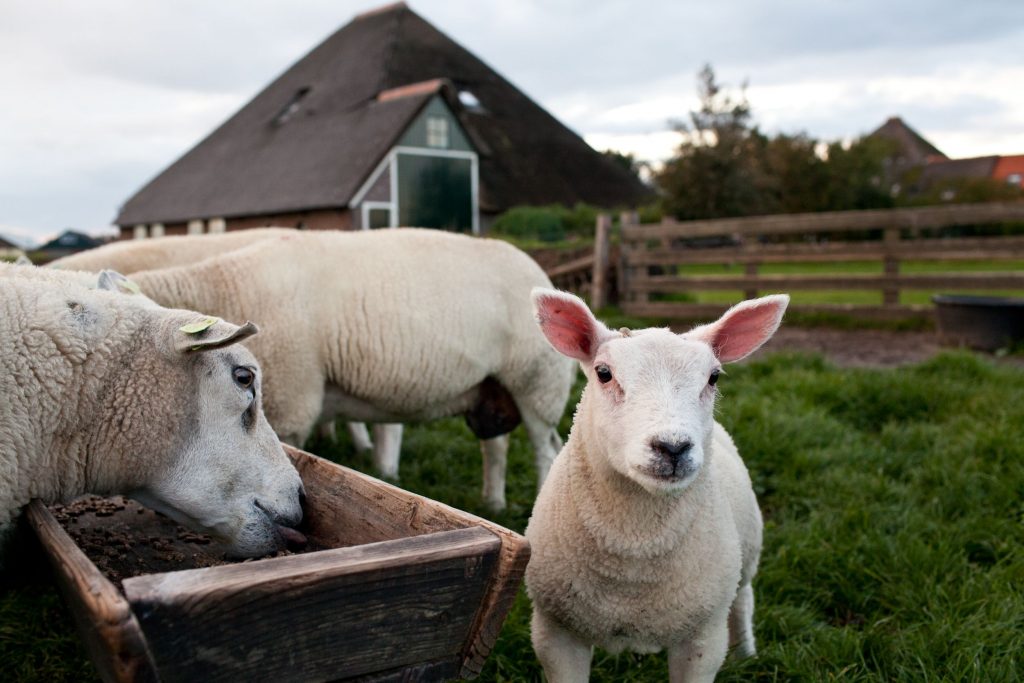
column 125, row 539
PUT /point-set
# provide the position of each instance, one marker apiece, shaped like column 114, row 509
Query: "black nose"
column 671, row 451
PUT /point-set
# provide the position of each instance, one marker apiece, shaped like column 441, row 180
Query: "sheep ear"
column 568, row 324
column 209, row 333
column 743, row 328
column 113, row 281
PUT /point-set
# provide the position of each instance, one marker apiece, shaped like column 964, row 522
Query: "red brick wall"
column 322, row 219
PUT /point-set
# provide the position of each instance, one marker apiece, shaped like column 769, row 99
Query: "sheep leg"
column 387, row 446
column 360, row 436
column 326, row 430
column 564, row 656
column 545, row 441
column 741, row 623
column 495, row 452
column 698, row 660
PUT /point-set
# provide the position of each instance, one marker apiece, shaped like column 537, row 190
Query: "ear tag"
column 625, row 332
column 199, row 325
column 128, row 286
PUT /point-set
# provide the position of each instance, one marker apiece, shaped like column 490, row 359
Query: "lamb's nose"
column 671, row 451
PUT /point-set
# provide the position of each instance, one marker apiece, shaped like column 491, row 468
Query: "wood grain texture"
column 111, row 633
column 334, row 614
column 343, row 499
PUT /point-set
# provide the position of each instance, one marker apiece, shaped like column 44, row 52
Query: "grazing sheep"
column 131, row 256
column 390, row 326
column 106, row 393
column 646, row 534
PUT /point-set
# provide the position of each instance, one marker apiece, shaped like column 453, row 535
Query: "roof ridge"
column 383, row 9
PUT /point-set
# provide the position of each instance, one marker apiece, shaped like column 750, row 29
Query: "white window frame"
column 156, row 230
column 139, row 232
column 438, row 132
column 369, row 206
column 217, row 226
column 195, row 227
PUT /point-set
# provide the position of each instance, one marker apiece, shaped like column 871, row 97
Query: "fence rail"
column 651, row 254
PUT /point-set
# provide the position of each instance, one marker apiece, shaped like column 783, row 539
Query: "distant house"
column 68, row 242
column 387, row 122
column 918, row 160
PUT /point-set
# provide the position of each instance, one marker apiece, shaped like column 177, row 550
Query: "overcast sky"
column 99, row 96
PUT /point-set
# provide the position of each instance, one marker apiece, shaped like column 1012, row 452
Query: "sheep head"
column 647, row 412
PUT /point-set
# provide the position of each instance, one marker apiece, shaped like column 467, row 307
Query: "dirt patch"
column 858, row 348
column 125, row 539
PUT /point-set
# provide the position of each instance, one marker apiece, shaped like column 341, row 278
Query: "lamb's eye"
column 604, row 374
column 713, row 379
column 244, row 377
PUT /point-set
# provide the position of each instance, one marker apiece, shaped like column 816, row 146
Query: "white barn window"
column 437, row 132
column 156, row 230
column 217, row 225
column 139, row 232
column 195, row 227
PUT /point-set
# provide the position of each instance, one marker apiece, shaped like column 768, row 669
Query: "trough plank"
column 329, row 615
column 111, row 633
column 365, row 509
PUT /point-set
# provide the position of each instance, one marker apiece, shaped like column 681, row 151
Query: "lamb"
column 390, row 326
column 106, row 393
column 131, row 256
column 647, row 533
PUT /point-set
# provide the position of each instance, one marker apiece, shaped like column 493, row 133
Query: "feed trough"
column 986, row 323
column 405, row 588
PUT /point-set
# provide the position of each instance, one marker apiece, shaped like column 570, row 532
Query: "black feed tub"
column 980, row 322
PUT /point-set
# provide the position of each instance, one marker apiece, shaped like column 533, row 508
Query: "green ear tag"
column 199, row 325
column 128, row 286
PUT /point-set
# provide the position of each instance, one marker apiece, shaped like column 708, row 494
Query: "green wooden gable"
column 416, row 135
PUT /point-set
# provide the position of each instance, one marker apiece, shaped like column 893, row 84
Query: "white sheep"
column 131, row 256
column 646, row 534
column 390, row 326
column 105, row 393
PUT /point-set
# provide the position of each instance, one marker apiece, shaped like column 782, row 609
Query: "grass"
column 844, row 296
column 894, row 537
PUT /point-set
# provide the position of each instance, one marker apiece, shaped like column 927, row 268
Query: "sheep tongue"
column 294, row 539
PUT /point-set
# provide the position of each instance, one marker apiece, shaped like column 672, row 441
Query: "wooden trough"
column 409, row 590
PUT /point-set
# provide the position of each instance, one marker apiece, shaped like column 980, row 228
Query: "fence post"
column 599, row 283
column 750, row 271
column 891, row 267
column 624, row 269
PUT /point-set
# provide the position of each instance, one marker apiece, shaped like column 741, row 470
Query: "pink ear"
column 743, row 328
column 567, row 323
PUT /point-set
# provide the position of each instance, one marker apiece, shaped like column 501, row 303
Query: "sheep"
column 390, row 326
column 106, row 393
column 646, row 534
column 131, row 256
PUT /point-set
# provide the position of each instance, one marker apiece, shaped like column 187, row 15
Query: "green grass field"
column 844, row 296
column 894, row 539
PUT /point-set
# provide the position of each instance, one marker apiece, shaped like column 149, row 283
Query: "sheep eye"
column 604, row 375
column 713, row 379
column 244, row 377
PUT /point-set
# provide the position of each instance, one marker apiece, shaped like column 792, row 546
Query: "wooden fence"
column 648, row 281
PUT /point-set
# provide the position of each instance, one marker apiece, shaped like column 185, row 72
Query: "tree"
column 717, row 168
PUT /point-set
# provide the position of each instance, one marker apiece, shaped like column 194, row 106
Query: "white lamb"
column 105, row 393
column 390, row 326
column 646, row 534
column 131, row 256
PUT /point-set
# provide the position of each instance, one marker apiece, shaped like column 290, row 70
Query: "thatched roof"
column 914, row 150
column 311, row 137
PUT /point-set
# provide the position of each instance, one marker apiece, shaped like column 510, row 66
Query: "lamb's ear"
column 743, row 328
column 113, row 281
column 209, row 333
column 568, row 324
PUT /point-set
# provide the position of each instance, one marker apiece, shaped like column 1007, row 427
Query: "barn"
column 387, row 122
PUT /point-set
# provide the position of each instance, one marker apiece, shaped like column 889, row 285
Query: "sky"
column 98, row 97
